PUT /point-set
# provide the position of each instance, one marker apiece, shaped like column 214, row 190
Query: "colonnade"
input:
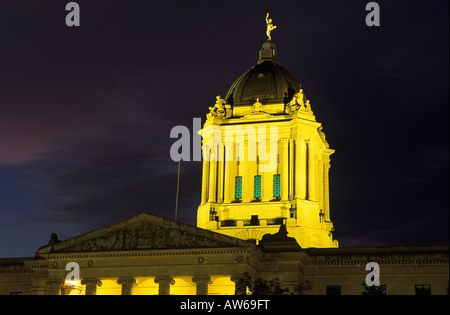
column 202, row 283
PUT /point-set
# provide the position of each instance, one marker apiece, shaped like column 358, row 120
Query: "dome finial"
column 270, row 27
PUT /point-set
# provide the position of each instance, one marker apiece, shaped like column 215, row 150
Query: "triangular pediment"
column 144, row 232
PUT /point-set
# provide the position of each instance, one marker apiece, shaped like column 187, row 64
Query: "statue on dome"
column 270, row 27
column 300, row 102
column 219, row 108
column 308, row 106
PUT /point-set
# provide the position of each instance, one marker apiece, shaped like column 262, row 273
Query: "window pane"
column 276, row 186
column 423, row 289
column 258, row 186
column 238, row 187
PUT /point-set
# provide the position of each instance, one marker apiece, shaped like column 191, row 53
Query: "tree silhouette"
column 374, row 290
column 247, row 285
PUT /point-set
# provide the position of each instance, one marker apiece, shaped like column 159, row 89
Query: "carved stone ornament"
column 322, row 136
column 257, row 106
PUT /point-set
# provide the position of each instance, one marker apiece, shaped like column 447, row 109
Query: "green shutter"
column 258, row 186
column 238, row 187
column 276, row 186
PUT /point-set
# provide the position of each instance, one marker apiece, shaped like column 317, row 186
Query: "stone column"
column 312, row 172
column 55, row 286
column 244, row 167
column 230, row 165
column 301, row 171
column 220, row 172
column 252, row 168
column 320, row 184
column 164, row 284
column 127, row 285
column 202, row 284
column 291, row 163
column 327, row 192
column 205, row 179
column 212, row 174
column 91, row 285
column 284, row 174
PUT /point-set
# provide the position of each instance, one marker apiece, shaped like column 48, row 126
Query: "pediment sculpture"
column 156, row 233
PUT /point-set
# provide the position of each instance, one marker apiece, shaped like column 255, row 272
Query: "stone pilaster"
column 284, row 169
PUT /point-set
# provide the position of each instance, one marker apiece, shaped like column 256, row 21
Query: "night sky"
column 86, row 112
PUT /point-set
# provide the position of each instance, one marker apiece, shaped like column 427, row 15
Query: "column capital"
column 164, row 279
column 229, row 143
column 54, row 282
column 91, row 285
column 202, row 278
column 126, row 280
column 202, row 282
column 55, row 286
column 127, row 284
column 284, row 141
column 93, row 281
column 164, row 284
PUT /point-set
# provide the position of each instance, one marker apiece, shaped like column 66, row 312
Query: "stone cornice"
column 144, row 253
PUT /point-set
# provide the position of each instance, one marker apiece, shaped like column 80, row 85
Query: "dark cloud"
column 106, row 178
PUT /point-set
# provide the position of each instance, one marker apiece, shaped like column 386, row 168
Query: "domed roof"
column 268, row 81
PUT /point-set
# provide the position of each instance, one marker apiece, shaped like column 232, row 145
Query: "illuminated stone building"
column 268, row 218
column 150, row 255
column 268, row 160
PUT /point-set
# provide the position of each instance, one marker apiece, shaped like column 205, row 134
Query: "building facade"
column 264, row 215
column 150, row 255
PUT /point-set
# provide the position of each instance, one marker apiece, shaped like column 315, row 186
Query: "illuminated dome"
column 268, row 81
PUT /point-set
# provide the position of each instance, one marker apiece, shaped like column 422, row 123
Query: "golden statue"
column 219, row 107
column 270, row 27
